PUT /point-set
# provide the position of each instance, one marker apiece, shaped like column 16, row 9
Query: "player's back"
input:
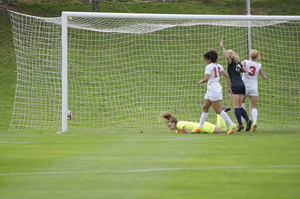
column 214, row 70
column 189, row 125
column 252, row 72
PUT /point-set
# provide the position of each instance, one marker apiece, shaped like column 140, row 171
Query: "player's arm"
column 243, row 69
column 227, row 80
column 261, row 72
column 185, row 130
column 205, row 79
column 225, row 52
column 244, row 63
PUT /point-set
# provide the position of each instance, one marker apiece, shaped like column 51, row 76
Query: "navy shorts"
column 240, row 89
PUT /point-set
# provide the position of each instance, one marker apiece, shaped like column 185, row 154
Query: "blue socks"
column 240, row 112
column 238, row 115
column 244, row 114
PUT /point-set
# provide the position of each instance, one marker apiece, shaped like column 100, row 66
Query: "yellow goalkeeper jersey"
column 207, row 127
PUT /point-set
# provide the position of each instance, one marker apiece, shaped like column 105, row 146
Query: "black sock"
column 238, row 115
column 244, row 114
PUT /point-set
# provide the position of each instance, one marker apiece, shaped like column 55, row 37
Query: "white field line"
column 163, row 139
column 147, row 140
column 37, row 142
column 148, row 170
column 134, row 140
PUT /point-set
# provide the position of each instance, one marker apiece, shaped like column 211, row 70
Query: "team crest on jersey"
column 238, row 66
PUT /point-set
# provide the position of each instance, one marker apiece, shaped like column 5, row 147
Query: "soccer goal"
column 116, row 71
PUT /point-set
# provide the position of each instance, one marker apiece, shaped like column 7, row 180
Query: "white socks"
column 243, row 106
column 226, row 118
column 222, row 114
column 254, row 115
column 202, row 119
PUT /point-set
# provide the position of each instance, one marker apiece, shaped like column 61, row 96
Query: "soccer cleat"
column 197, row 130
column 226, row 109
column 241, row 127
column 254, row 127
column 232, row 129
column 249, row 125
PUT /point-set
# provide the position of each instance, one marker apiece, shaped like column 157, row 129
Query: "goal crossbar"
column 179, row 16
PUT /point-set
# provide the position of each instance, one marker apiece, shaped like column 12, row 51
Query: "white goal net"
column 123, row 72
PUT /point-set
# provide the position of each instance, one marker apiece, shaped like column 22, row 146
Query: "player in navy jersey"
column 237, row 86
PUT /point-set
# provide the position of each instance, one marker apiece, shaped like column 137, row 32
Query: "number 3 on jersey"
column 217, row 72
column 252, row 71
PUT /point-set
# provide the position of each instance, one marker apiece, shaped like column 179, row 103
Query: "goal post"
column 64, row 39
column 117, row 70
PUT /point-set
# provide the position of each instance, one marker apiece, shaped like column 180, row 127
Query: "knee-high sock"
column 226, row 118
column 244, row 114
column 254, row 115
column 243, row 106
column 221, row 123
column 238, row 115
column 202, row 119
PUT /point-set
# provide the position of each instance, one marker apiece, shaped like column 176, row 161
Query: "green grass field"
column 264, row 164
column 143, row 163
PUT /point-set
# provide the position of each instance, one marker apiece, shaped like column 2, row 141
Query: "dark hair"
column 212, row 55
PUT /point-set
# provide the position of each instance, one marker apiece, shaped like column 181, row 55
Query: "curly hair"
column 167, row 116
column 212, row 55
column 233, row 56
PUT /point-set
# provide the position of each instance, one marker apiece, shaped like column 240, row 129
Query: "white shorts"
column 214, row 95
column 252, row 90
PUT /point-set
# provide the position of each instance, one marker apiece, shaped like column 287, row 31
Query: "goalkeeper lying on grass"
column 187, row 127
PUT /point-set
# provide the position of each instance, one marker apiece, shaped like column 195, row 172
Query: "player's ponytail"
column 233, row 56
column 254, row 54
column 167, row 116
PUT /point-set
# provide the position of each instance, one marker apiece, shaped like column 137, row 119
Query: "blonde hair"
column 254, row 54
column 233, row 56
column 167, row 116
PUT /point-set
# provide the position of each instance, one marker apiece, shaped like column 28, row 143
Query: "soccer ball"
column 69, row 114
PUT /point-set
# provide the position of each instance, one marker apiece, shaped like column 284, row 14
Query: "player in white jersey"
column 213, row 96
column 250, row 79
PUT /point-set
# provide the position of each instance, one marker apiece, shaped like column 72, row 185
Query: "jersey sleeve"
column 208, row 69
column 180, row 125
column 246, row 64
column 221, row 67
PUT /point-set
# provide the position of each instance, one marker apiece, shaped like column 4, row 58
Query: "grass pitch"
column 131, row 164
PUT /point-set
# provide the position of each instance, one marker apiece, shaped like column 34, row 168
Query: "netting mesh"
column 123, row 72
